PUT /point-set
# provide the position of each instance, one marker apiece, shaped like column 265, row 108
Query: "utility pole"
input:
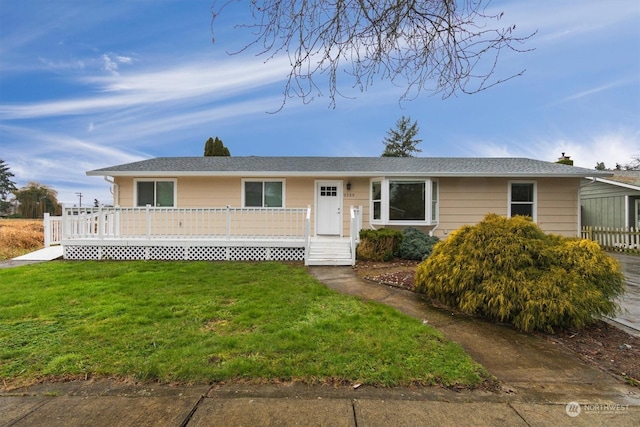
column 80, row 197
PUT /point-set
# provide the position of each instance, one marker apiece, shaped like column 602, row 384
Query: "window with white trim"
column 155, row 192
column 522, row 199
column 435, row 207
column 404, row 201
column 376, row 200
column 263, row 194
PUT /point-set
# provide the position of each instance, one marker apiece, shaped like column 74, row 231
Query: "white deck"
column 212, row 234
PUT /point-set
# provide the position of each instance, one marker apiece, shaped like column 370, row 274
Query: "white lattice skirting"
column 184, row 252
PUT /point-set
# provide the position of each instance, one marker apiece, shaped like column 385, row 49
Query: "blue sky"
column 90, row 84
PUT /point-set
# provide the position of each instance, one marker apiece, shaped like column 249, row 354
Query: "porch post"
column 228, row 222
column 47, row 229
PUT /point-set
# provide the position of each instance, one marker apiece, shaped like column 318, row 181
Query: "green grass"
column 200, row 322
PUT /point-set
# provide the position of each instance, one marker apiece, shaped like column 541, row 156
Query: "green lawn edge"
column 206, row 322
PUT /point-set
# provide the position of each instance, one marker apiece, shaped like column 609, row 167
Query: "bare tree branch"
column 438, row 46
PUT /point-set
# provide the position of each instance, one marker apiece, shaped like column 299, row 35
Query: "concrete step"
column 329, row 252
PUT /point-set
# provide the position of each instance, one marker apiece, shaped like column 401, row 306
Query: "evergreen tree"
column 7, row 186
column 208, row 147
column 215, row 148
column 401, row 141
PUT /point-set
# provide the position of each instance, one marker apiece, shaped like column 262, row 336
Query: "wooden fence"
column 614, row 239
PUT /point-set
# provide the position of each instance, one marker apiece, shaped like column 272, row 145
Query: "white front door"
column 328, row 207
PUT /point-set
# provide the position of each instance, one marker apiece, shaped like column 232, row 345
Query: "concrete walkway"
column 45, row 254
column 544, row 385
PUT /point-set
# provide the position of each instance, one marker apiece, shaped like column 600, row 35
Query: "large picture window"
column 264, row 194
column 404, row 201
column 522, row 199
column 158, row 193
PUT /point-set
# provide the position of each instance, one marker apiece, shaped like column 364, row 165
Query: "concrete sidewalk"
column 105, row 403
column 543, row 385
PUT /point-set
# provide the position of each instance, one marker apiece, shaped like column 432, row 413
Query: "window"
column 434, row 201
column 376, row 199
column 522, row 199
column 263, row 194
column 155, row 193
column 404, row 201
column 328, row 191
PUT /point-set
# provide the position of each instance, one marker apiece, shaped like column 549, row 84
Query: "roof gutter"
column 362, row 174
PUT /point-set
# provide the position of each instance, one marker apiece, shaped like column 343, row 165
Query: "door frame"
column 340, row 190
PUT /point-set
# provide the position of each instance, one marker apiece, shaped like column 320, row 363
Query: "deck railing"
column 614, row 239
column 52, row 230
column 185, row 223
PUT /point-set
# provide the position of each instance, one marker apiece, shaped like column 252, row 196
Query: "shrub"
column 378, row 245
column 416, row 244
column 510, row 271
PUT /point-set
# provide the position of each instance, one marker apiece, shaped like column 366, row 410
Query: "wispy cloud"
column 203, row 79
column 595, row 90
column 112, row 61
column 557, row 20
column 610, row 147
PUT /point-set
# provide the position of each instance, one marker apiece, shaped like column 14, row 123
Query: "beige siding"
column 558, row 205
column 215, row 192
column 465, row 201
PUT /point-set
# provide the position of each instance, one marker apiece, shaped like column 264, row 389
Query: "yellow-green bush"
column 509, row 270
column 378, row 245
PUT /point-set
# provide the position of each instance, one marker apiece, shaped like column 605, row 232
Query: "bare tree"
column 442, row 46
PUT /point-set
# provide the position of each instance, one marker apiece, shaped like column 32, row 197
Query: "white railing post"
column 47, row 229
column 354, row 231
column 307, row 235
column 228, row 222
column 100, row 223
column 148, row 219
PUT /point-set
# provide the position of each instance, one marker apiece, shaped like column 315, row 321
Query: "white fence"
column 184, row 223
column 614, row 239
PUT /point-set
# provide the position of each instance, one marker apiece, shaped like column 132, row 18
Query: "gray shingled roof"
column 631, row 178
column 341, row 166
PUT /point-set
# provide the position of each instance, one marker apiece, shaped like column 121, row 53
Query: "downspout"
column 115, row 190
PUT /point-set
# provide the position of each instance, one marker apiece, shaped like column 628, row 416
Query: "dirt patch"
column 601, row 344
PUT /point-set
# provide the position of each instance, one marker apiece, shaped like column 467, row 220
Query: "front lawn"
column 200, row 322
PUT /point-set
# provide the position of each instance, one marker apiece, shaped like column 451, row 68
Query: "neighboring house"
column 310, row 208
column 612, row 201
